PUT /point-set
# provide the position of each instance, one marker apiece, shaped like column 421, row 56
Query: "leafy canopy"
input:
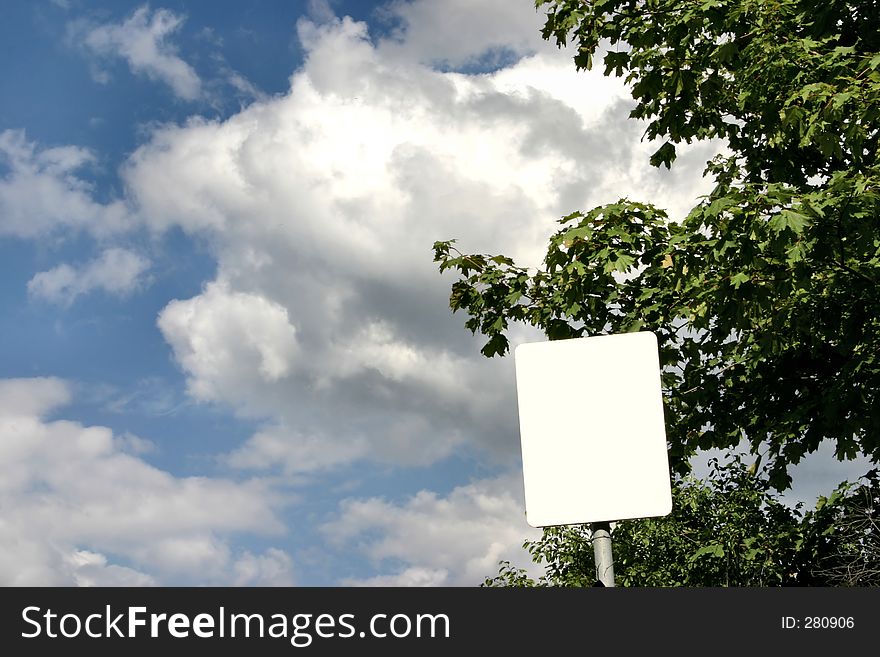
column 729, row 530
column 765, row 298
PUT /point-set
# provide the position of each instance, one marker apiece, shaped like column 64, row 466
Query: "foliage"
column 851, row 517
column 765, row 298
column 730, row 530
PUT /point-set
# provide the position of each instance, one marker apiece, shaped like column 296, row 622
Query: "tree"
column 852, row 516
column 730, row 530
column 765, row 298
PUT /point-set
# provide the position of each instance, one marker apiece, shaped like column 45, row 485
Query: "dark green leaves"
column 664, row 155
column 789, row 219
column 728, row 530
column 765, row 296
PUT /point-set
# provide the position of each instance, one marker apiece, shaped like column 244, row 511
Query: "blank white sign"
column 591, row 424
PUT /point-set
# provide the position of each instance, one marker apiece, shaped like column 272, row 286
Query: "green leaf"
column 789, row 219
column 635, row 326
column 713, row 550
column 739, row 278
column 623, row 262
column 496, row 346
column 665, row 155
column 795, row 220
column 839, row 99
column 726, row 52
column 717, row 206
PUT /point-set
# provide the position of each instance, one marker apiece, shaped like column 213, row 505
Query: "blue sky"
column 227, row 357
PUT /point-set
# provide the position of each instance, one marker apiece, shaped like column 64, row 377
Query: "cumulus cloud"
column 460, row 33
column 92, row 569
column 116, row 271
column 456, row 540
column 42, row 193
column 272, row 568
column 294, row 452
column 33, row 397
column 327, row 316
column 79, row 509
column 142, row 40
column 224, row 338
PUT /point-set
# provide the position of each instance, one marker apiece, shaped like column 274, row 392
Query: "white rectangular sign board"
column 592, row 430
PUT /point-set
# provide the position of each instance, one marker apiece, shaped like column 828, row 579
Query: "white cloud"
column 41, row 193
column 458, row 33
column 224, row 338
column 32, row 397
column 132, row 444
column 142, row 41
column 410, row 577
column 116, row 271
column 77, row 509
column 272, row 568
column 294, row 452
column 457, row 540
column 328, row 317
column 320, row 11
column 92, row 569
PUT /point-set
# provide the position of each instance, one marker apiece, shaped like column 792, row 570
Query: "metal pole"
column 601, row 538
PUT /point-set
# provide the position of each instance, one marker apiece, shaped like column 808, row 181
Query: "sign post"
column 600, row 535
column 593, row 435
